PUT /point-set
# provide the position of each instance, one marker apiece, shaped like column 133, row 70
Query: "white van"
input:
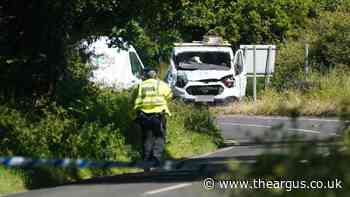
column 207, row 71
column 114, row 67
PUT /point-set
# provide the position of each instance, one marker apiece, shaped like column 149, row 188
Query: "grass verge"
column 11, row 180
column 323, row 96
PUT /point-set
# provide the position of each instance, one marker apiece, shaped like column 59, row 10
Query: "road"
column 252, row 129
column 246, row 136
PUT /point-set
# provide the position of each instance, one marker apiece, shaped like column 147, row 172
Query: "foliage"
column 184, row 139
column 58, row 135
column 197, row 118
column 40, row 38
column 98, row 132
column 289, row 66
column 332, row 44
column 258, row 21
column 328, row 39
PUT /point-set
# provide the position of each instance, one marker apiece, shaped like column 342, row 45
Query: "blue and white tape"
column 24, row 162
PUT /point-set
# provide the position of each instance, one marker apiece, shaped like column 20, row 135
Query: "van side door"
column 136, row 67
column 240, row 72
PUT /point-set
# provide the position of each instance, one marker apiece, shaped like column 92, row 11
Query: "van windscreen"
column 203, row 60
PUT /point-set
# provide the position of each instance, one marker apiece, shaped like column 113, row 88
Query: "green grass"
column 191, row 131
column 11, row 180
column 182, row 143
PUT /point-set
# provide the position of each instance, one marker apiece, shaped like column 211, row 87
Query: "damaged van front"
column 207, row 71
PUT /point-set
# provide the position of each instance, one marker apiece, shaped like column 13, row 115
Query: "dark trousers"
column 154, row 133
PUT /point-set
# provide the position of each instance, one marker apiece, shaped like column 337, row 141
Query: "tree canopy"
column 38, row 38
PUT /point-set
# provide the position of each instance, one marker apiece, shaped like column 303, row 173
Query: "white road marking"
column 269, row 127
column 217, row 151
column 166, row 189
column 246, row 125
column 284, row 118
column 304, row 130
column 182, row 185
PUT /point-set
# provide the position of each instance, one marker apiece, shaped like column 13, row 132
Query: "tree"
column 38, row 37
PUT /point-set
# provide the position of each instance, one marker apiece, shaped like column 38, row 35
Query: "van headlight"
column 228, row 81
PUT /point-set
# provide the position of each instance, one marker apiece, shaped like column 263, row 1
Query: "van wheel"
column 227, row 101
column 232, row 100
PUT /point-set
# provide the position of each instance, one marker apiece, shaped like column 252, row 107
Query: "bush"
column 58, row 135
column 197, row 118
column 189, row 130
column 289, row 65
column 96, row 127
column 333, row 44
column 329, row 42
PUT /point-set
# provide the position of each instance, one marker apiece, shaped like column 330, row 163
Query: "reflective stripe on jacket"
column 152, row 96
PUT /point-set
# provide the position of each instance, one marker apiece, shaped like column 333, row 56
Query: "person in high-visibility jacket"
column 151, row 107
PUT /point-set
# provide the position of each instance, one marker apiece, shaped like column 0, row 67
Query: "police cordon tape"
column 24, row 162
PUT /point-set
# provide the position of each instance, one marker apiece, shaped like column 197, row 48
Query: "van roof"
column 211, row 41
column 201, row 43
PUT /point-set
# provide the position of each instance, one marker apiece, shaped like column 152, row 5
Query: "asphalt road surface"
column 246, row 137
column 262, row 129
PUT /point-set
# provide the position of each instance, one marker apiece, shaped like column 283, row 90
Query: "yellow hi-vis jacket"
column 152, row 96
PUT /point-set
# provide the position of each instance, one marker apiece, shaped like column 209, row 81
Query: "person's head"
column 150, row 74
